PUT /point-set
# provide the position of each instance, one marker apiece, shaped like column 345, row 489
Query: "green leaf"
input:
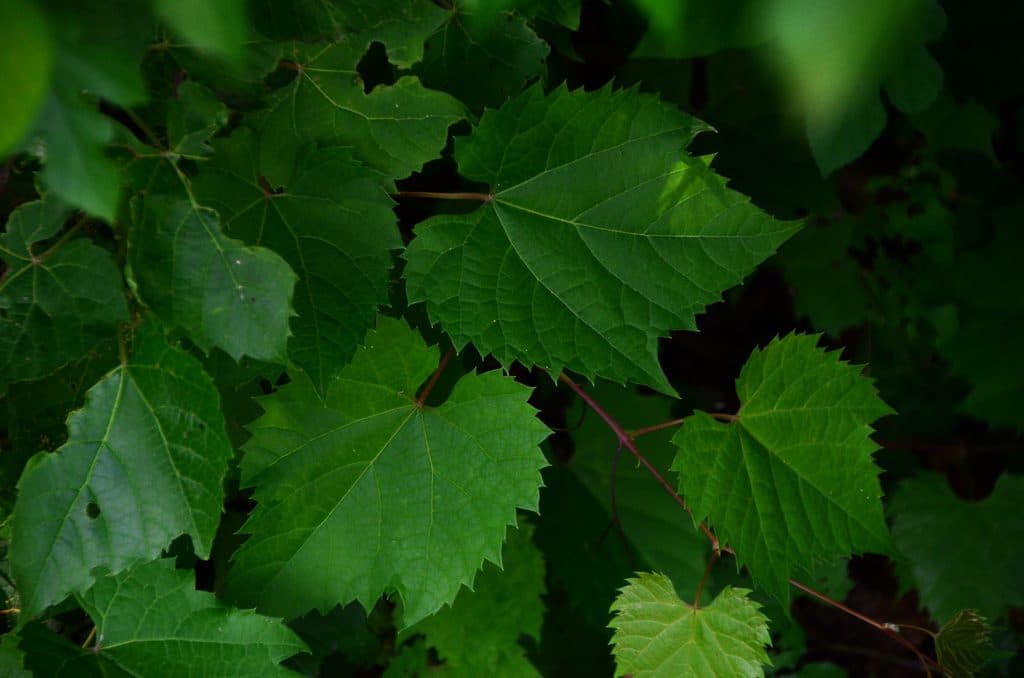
column 960, row 554
column 964, row 644
column 416, row 498
column 193, row 117
column 151, row 616
column 143, row 464
column 11, row 659
column 838, row 139
column 791, row 481
column 219, row 28
column 27, row 69
column 219, row 291
column 57, row 302
column 482, row 63
column 572, row 265
column 402, row 26
column 479, row 634
column 657, row 634
column 395, row 128
column 333, row 224
column 563, row 12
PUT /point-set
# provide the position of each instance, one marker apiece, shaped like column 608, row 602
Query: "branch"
column 434, row 377
column 482, row 197
column 627, row 442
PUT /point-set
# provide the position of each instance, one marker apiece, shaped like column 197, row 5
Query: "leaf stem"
column 627, row 442
column 704, row 579
column 88, row 639
column 435, row 377
column 482, row 197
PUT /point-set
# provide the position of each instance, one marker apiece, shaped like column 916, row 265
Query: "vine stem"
column 88, row 639
column 482, row 197
column 627, row 441
column 435, row 377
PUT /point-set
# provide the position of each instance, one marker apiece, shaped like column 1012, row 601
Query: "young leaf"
column 479, row 634
column 964, row 644
column 415, row 497
column 56, row 303
column 333, row 224
column 150, row 617
column 221, row 292
column 961, row 554
column 602, row 235
column 657, row 634
column 791, row 481
column 395, row 128
column 143, row 464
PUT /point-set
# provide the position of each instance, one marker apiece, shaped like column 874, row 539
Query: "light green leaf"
column 964, row 644
column 482, row 62
column 395, row 128
column 960, row 554
column 573, row 265
column 151, row 616
column 221, row 292
column 57, row 302
column 27, row 69
column 143, row 464
column 657, row 634
column 479, row 634
column 333, row 224
column 791, row 482
column 219, row 28
column 416, row 498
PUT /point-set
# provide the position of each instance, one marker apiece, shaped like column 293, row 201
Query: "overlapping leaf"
column 792, row 481
column 479, row 634
column 602, row 235
column 151, row 619
column 964, row 644
column 961, row 554
column 657, row 634
column 143, row 464
column 333, row 224
column 220, row 291
column 414, row 498
column 395, row 128
column 56, row 303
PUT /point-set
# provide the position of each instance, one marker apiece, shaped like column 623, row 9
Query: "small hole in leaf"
column 92, row 510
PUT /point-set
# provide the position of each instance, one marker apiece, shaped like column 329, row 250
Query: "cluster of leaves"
column 238, row 440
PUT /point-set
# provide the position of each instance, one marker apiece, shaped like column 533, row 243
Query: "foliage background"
column 896, row 131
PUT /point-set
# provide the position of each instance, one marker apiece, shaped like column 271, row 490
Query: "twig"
column 626, row 441
column 482, row 197
column 88, row 639
column 434, row 377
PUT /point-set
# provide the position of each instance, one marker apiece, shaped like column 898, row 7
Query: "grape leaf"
column 151, row 616
column 563, row 12
column 791, row 482
column 28, row 69
column 571, row 265
column 56, row 303
column 402, row 26
column 479, row 634
column 964, row 644
column 416, row 498
column 143, row 464
column 219, row 291
column 220, row 28
column 482, row 62
column 960, row 554
column 333, row 224
column 395, row 128
column 11, row 659
column 657, row 634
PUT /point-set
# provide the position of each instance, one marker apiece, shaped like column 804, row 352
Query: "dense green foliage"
column 495, row 337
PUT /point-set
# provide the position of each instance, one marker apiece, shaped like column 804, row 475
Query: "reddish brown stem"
column 482, row 197
column 884, row 628
column 637, row 432
column 704, row 579
column 627, row 442
column 434, row 377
